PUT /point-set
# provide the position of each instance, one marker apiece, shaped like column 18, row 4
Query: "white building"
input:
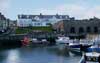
column 39, row 20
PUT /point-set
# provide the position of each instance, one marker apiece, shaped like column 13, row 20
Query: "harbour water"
column 43, row 54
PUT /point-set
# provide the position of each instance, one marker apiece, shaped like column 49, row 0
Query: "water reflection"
column 13, row 56
column 48, row 54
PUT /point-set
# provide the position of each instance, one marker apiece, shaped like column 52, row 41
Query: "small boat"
column 62, row 42
column 44, row 40
column 75, row 45
column 78, row 45
column 25, row 41
column 92, row 57
column 95, row 47
column 86, row 42
column 39, row 41
column 34, row 40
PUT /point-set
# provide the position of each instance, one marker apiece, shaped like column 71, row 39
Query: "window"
column 95, row 29
column 88, row 29
column 81, row 30
column 72, row 30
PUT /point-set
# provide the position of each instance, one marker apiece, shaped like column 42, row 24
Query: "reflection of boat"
column 78, row 53
column 92, row 57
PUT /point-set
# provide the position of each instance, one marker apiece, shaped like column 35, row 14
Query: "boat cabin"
column 91, row 58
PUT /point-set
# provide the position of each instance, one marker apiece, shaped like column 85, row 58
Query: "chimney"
column 40, row 14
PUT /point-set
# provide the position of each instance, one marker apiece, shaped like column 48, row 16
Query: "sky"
column 80, row 9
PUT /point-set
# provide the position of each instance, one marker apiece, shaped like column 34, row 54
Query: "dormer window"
column 54, row 17
column 60, row 17
column 27, row 16
column 67, row 17
column 36, row 18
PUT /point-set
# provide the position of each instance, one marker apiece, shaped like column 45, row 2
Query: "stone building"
column 4, row 22
column 78, row 28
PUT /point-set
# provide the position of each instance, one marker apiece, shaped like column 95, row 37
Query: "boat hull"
column 93, row 49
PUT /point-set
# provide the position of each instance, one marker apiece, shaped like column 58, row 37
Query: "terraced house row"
column 39, row 20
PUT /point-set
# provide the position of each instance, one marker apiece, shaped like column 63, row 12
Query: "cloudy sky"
column 80, row 9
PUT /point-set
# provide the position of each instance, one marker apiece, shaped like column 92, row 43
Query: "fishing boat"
column 92, row 57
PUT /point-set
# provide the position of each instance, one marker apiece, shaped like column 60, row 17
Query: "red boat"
column 25, row 41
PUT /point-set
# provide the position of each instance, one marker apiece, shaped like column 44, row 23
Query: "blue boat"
column 93, row 48
column 77, row 46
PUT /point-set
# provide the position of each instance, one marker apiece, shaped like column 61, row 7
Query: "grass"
column 29, row 29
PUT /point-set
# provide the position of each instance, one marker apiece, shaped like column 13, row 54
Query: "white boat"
column 86, row 42
column 34, row 40
column 62, row 40
column 44, row 41
column 92, row 57
column 41, row 41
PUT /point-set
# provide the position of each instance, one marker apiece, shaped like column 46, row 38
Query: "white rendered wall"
column 24, row 22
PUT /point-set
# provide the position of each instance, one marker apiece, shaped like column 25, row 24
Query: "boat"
column 62, row 40
column 91, row 57
column 75, row 45
column 34, row 40
column 79, row 45
column 39, row 41
column 86, row 42
column 96, row 46
column 25, row 41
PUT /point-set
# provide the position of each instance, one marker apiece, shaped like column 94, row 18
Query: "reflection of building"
column 39, row 20
column 78, row 27
column 3, row 22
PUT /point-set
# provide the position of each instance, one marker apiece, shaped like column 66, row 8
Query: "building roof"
column 43, row 16
column 2, row 17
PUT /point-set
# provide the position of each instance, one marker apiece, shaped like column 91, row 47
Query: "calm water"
column 48, row 54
